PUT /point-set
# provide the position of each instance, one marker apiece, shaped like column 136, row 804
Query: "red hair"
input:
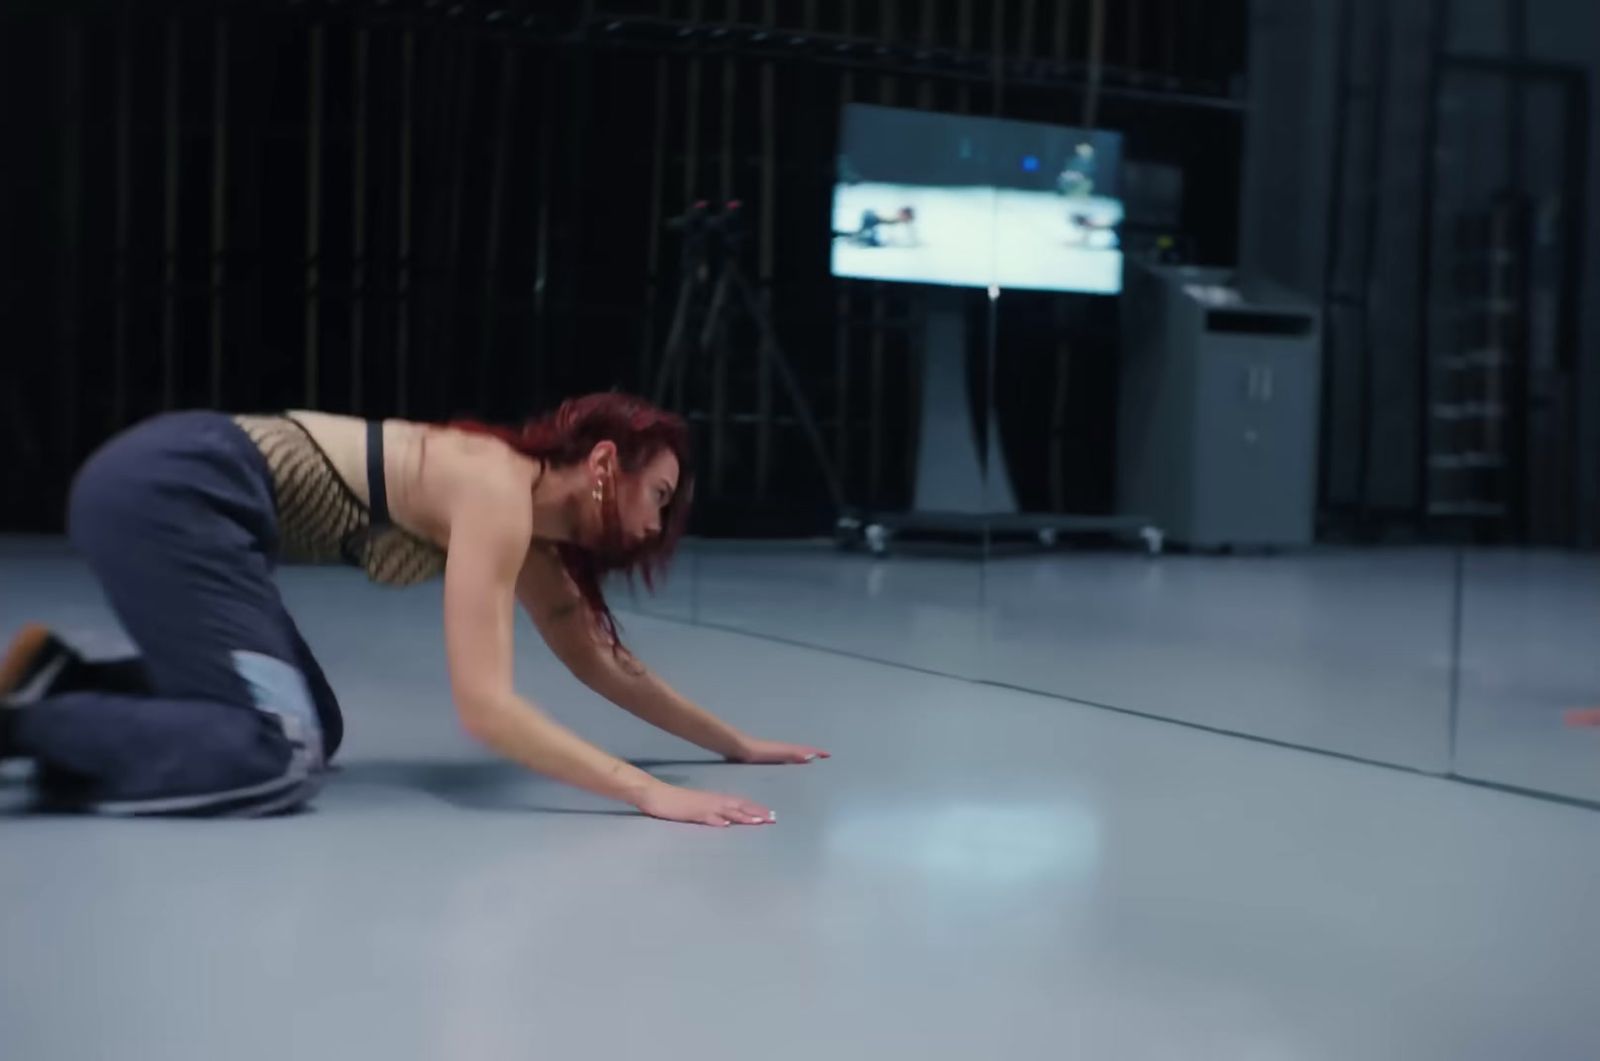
column 640, row 431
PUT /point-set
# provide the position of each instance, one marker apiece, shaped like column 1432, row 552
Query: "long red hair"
column 640, row 431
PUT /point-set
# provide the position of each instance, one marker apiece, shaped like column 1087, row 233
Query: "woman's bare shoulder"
column 482, row 468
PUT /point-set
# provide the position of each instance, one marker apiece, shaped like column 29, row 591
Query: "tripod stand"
column 701, row 227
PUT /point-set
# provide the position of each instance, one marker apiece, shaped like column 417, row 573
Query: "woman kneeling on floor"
column 183, row 518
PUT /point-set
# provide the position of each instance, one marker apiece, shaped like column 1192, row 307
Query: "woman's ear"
column 603, row 458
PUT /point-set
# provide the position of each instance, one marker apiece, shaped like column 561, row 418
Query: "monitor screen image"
column 951, row 199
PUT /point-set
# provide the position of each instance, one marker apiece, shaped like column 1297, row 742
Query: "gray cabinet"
column 1219, row 402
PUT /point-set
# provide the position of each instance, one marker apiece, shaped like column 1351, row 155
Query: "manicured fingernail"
column 810, row 757
column 772, row 816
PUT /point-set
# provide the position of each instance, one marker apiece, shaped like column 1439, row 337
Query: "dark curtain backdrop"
column 436, row 210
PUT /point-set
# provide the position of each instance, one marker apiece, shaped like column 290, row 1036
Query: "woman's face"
column 640, row 497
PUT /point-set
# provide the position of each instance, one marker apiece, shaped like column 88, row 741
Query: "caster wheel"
column 1049, row 537
column 877, row 539
column 1154, row 540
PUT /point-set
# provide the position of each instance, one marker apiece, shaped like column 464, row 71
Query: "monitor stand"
column 954, row 495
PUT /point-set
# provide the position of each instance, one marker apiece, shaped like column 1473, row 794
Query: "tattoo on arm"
column 575, row 606
column 564, row 611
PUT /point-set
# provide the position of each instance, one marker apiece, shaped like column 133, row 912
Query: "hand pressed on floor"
column 703, row 808
column 769, row 752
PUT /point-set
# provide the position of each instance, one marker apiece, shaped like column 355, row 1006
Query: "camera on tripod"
column 712, row 289
column 703, row 218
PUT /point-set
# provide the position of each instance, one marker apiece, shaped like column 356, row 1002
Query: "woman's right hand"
column 674, row 804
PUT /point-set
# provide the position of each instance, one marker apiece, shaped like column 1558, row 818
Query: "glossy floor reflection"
column 1347, row 651
column 916, row 608
column 978, row 873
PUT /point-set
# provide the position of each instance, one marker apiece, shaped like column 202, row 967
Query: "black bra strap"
column 377, row 488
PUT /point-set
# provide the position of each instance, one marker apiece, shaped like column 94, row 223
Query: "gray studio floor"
column 979, row 873
column 1349, row 650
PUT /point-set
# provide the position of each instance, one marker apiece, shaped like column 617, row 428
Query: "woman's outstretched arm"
column 565, row 623
column 489, row 533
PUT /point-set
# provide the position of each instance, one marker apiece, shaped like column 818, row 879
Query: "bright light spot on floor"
column 976, row 842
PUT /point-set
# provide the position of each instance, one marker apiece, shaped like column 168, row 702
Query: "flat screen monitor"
column 932, row 198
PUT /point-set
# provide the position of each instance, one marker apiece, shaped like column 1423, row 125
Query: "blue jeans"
column 177, row 521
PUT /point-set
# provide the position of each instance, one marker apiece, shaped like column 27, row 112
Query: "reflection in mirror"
column 1241, row 623
column 1528, row 714
column 1183, row 415
column 898, row 581
column 1511, row 447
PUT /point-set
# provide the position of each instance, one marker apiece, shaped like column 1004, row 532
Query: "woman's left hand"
column 771, row 751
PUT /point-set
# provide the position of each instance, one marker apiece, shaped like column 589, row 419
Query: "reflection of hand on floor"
column 1584, row 716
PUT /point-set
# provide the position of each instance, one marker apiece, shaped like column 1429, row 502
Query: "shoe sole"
column 25, row 658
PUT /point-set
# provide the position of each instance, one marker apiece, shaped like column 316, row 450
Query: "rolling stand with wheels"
column 953, row 494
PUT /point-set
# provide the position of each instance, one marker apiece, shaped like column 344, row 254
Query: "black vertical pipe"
column 691, row 148
column 1058, row 410
column 1025, row 29
column 443, row 285
column 1369, row 264
column 842, row 309
column 402, row 346
column 171, row 187
column 69, row 317
column 1438, row 28
column 580, row 104
column 1574, row 195
column 1063, row 30
column 691, row 176
column 313, row 262
column 1097, row 45
column 1518, row 418
column 658, row 164
column 988, row 428
column 123, row 219
column 730, row 75
column 926, row 37
column 1516, row 14
column 1333, row 231
column 500, row 166
column 719, row 345
column 358, row 220
column 541, row 268
column 1169, row 54
column 887, row 86
column 964, row 43
column 769, row 206
column 219, row 204
column 916, row 334
column 1134, row 42
column 997, row 52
